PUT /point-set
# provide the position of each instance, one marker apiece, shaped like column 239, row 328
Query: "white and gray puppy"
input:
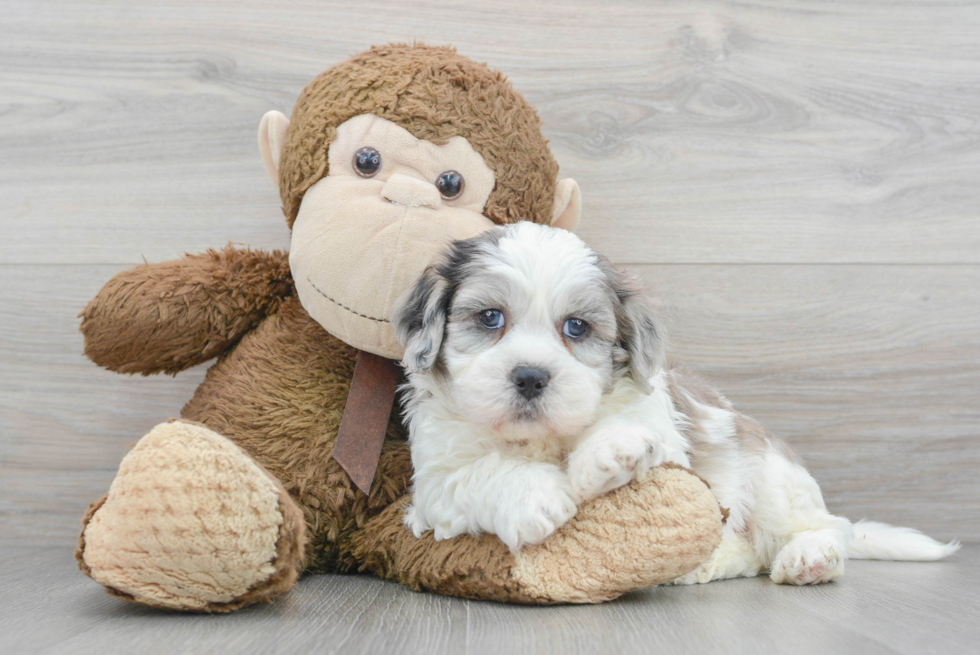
column 537, row 382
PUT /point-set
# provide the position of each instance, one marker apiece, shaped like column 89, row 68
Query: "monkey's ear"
column 568, row 205
column 272, row 136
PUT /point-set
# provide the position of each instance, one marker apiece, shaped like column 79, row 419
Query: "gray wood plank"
column 330, row 614
column 64, row 423
column 700, row 132
column 863, row 369
column 871, row 372
column 877, row 607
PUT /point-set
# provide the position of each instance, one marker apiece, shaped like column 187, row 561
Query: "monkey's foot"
column 648, row 532
column 191, row 522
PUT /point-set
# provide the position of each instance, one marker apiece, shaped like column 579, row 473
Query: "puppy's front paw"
column 532, row 514
column 414, row 522
column 610, row 459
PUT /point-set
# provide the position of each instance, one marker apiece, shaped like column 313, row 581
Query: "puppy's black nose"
column 530, row 381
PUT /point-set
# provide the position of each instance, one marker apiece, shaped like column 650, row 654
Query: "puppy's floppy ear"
column 420, row 320
column 640, row 336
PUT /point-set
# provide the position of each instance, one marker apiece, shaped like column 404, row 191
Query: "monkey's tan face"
column 366, row 231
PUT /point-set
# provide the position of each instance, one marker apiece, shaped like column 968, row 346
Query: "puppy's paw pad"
column 807, row 561
column 627, row 461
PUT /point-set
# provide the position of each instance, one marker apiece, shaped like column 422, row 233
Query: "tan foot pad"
column 643, row 534
column 191, row 522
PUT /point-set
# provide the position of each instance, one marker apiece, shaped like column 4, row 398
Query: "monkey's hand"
column 170, row 316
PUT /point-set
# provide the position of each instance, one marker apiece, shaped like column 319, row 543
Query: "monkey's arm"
column 170, row 316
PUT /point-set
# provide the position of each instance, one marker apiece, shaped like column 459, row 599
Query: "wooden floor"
column 877, row 607
column 797, row 181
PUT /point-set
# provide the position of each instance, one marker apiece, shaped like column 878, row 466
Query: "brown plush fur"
column 279, row 394
column 470, row 567
column 591, row 559
column 435, row 94
column 281, row 381
column 169, row 317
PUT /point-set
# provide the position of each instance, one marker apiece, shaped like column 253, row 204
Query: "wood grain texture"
column 877, row 607
column 871, row 372
column 797, row 182
column 700, row 132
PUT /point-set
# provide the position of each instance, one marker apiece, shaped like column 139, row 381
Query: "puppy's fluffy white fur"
column 492, row 455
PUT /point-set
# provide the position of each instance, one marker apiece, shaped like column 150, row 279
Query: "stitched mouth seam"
column 343, row 306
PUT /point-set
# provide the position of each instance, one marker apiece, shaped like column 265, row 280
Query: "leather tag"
column 365, row 420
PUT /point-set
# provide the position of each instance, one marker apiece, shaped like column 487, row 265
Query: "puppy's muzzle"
column 530, row 381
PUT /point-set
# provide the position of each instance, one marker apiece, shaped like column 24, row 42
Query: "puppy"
column 537, row 382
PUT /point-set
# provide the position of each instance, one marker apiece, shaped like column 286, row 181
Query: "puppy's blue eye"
column 492, row 319
column 575, row 328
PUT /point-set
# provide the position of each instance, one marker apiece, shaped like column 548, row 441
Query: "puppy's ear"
column 420, row 320
column 640, row 335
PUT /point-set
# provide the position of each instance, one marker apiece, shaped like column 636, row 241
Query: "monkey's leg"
column 191, row 522
column 643, row 534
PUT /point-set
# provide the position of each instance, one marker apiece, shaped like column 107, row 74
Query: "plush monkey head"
column 388, row 157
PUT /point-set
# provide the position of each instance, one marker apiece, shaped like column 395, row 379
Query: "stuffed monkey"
column 386, row 158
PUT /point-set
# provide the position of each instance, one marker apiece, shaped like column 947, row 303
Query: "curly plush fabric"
column 270, row 408
column 225, row 507
column 168, row 317
column 648, row 532
column 669, row 516
column 435, row 94
column 169, row 532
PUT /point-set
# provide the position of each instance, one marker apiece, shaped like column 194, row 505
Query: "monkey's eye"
column 492, row 319
column 575, row 328
column 367, row 162
column 450, row 184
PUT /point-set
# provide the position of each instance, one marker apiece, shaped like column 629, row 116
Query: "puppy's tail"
column 874, row 540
